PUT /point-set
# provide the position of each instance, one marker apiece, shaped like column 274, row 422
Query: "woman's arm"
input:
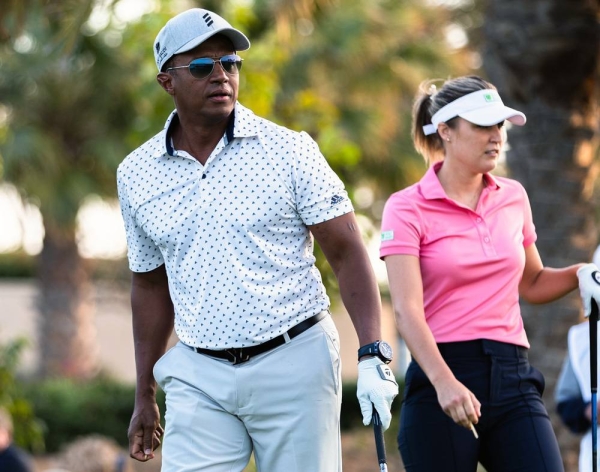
column 544, row 284
column 406, row 288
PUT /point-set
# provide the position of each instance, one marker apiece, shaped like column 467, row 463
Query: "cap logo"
column 489, row 97
column 157, row 46
column 209, row 21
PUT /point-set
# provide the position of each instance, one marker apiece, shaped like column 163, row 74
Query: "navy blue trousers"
column 515, row 433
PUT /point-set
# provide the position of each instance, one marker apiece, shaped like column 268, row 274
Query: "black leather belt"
column 239, row 355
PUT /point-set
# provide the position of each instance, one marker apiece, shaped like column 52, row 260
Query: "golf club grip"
column 379, row 443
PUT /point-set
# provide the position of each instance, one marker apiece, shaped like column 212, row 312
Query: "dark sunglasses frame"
column 202, row 67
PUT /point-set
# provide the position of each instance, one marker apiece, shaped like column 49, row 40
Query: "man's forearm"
column 360, row 295
column 153, row 314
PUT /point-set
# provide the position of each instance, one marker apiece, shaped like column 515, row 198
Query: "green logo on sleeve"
column 387, row 235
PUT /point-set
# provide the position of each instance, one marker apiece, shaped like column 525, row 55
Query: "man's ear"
column 166, row 82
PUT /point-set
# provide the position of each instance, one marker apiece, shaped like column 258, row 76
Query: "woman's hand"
column 458, row 402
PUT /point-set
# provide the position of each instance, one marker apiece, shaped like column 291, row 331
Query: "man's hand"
column 144, row 431
column 589, row 286
column 376, row 387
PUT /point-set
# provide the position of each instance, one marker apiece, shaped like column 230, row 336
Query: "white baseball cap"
column 483, row 108
column 191, row 28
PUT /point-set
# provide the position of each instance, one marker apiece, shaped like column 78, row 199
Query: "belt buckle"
column 238, row 356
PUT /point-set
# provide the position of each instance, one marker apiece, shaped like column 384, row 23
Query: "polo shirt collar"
column 243, row 123
column 432, row 189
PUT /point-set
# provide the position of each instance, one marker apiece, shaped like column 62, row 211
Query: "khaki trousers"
column 283, row 404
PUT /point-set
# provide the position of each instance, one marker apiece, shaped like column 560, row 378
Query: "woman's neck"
column 462, row 187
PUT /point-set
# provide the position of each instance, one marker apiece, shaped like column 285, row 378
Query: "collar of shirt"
column 242, row 124
column 432, row 189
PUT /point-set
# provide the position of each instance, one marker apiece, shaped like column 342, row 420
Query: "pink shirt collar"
column 432, row 189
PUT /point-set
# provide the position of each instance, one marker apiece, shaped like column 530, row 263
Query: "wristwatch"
column 380, row 349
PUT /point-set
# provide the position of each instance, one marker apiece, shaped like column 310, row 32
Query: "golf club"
column 594, row 381
column 379, row 444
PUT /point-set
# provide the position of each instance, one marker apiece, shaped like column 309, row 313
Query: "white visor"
column 483, row 108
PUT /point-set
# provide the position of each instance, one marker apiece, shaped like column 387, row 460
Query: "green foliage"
column 70, row 409
column 27, row 428
column 17, row 264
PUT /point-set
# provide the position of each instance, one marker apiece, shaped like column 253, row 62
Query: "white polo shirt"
column 232, row 233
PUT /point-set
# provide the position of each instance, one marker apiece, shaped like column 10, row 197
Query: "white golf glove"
column 376, row 387
column 589, row 286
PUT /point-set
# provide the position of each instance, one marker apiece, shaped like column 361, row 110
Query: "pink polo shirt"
column 471, row 261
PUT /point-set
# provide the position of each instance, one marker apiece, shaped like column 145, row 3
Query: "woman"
column 459, row 248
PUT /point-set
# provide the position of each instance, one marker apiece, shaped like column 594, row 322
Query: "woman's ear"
column 444, row 131
column 165, row 80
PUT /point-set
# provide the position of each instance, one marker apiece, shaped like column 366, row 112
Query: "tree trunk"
column 543, row 55
column 66, row 331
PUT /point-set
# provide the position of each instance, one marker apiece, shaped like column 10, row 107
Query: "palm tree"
column 69, row 112
column 544, row 56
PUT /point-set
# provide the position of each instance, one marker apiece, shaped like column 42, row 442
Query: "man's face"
column 212, row 97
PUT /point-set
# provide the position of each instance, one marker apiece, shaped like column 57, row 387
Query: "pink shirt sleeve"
column 529, row 234
column 400, row 227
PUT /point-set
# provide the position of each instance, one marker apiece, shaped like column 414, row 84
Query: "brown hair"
column 429, row 101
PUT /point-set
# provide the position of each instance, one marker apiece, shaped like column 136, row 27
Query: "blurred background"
column 78, row 93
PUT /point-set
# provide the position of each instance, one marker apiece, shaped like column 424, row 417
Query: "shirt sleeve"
column 570, row 405
column 142, row 253
column 320, row 193
column 529, row 234
column 400, row 228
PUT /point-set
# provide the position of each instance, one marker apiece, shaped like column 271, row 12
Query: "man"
column 219, row 209
column 12, row 458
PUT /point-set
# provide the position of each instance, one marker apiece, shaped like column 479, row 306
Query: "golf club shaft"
column 379, row 443
column 594, row 381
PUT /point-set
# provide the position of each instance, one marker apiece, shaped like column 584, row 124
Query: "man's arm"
column 153, row 315
column 341, row 242
column 569, row 402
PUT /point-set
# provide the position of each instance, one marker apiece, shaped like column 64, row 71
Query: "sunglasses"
column 202, row 67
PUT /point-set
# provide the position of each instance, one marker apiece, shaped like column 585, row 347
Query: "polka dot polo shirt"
column 232, row 233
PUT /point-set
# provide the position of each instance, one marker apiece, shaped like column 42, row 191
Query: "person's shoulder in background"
column 15, row 459
column 596, row 256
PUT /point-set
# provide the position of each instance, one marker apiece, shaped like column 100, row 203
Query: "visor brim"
column 489, row 116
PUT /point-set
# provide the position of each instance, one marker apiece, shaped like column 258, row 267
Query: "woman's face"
column 476, row 147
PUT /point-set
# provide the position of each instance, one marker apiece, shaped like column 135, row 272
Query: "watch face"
column 385, row 349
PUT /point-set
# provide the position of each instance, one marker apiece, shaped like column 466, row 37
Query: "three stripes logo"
column 207, row 19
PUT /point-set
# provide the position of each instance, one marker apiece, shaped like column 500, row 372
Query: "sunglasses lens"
column 231, row 64
column 201, row 68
